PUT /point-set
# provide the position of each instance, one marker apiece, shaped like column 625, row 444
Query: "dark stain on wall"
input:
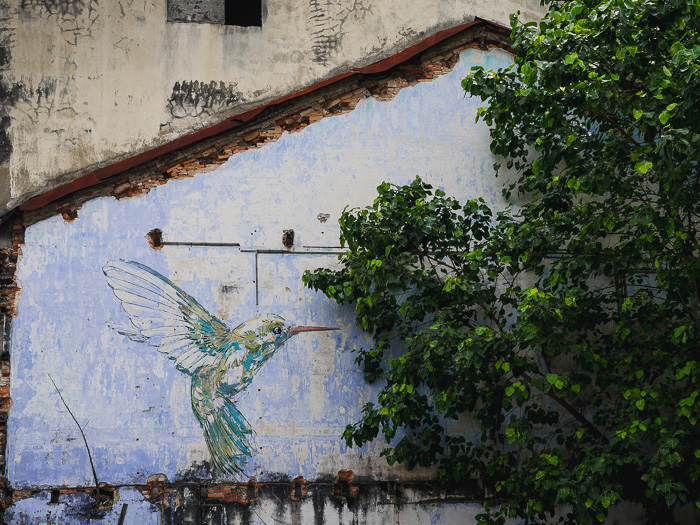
column 5, row 143
column 9, row 92
column 322, row 36
column 9, row 95
column 194, row 98
column 79, row 507
column 36, row 100
column 326, row 21
column 5, row 50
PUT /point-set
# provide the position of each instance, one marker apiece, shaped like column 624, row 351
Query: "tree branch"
column 571, row 410
column 92, row 464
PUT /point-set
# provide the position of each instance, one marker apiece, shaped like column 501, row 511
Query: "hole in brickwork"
column 343, row 488
column 155, row 238
column 69, row 215
column 105, row 496
column 298, row 488
column 6, row 320
column 252, row 490
column 246, row 13
column 288, row 238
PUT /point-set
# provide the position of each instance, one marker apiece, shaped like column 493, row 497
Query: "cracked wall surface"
column 86, row 83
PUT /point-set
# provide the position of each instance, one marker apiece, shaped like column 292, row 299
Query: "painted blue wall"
column 134, row 405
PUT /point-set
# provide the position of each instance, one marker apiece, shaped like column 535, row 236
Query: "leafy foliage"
column 565, row 330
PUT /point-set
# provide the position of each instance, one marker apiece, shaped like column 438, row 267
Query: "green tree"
column 565, row 330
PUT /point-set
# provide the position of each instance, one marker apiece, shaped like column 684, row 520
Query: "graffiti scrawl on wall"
column 221, row 361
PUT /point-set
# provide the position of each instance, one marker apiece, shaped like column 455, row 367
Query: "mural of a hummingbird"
column 221, row 361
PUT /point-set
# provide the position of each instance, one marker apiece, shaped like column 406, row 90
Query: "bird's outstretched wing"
column 164, row 316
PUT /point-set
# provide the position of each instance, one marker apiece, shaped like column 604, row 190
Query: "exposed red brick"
column 299, row 488
column 343, row 487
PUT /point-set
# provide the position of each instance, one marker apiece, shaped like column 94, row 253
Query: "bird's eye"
column 277, row 330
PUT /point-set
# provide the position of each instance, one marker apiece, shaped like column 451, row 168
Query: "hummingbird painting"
column 220, row 361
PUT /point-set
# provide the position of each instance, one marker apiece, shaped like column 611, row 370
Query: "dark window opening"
column 245, row 13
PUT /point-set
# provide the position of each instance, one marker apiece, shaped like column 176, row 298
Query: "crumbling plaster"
column 86, row 83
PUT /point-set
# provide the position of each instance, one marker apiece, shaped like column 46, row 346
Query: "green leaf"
column 671, row 498
column 643, row 167
column 638, row 113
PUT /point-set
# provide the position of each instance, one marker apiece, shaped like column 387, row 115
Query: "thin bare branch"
column 87, row 447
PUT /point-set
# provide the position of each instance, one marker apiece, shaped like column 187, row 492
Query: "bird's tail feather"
column 228, row 436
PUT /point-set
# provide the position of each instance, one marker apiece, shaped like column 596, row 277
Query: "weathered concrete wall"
column 135, row 405
column 85, row 83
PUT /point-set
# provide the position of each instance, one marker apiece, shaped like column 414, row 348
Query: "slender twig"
column 92, row 464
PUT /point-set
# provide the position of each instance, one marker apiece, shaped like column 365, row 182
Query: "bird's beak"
column 298, row 329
